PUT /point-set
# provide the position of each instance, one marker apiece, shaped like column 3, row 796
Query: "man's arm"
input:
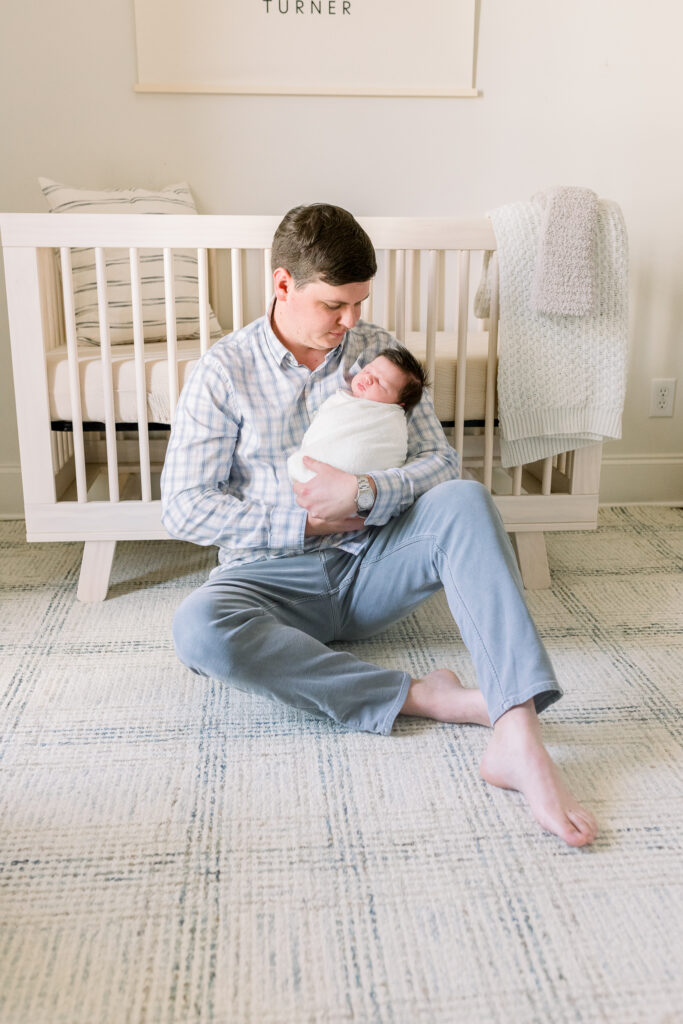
column 196, row 505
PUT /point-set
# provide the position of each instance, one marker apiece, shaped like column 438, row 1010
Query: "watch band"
column 365, row 497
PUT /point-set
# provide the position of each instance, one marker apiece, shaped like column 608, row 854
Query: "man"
column 341, row 557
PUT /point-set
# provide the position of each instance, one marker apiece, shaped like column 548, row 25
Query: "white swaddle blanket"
column 353, row 434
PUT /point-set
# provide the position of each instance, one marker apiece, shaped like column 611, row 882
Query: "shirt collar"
column 274, row 344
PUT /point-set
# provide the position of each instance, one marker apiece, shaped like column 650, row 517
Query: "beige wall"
column 585, row 93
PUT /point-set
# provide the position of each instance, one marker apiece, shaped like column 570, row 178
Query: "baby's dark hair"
column 406, row 361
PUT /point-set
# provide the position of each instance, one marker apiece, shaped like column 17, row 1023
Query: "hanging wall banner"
column 307, row 47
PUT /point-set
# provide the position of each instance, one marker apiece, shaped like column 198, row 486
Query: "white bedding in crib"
column 156, row 376
column 123, row 374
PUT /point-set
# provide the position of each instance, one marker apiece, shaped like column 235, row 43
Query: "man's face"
column 379, row 381
column 318, row 315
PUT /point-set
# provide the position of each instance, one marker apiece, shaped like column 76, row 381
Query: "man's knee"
column 211, row 630
column 191, row 624
column 461, row 497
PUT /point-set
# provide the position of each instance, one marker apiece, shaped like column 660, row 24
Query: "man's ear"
column 283, row 283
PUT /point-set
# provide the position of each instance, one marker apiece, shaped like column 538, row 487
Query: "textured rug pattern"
column 173, row 851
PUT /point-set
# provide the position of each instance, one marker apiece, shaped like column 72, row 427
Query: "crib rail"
column 100, row 481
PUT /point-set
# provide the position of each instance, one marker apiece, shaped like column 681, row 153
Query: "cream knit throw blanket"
column 561, row 379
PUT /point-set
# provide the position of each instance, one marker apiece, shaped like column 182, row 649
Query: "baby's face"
column 379, row 381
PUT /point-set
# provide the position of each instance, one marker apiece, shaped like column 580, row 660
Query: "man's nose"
column 349, row 317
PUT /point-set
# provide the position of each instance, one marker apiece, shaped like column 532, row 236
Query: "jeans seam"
column 400, row 547
column 331, row 593
column 267, row 604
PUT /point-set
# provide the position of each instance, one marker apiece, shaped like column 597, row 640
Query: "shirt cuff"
column 287, row 526
column 387, row 500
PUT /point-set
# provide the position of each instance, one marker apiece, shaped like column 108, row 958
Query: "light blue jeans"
column 263, row 627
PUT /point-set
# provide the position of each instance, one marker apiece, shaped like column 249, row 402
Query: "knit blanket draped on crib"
column 561, row 379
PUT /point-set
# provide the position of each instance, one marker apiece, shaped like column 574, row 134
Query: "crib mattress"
column 123, row 376
column 156, row 377
column 446, row 372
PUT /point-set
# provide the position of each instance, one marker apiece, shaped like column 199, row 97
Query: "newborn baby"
column 365, row 428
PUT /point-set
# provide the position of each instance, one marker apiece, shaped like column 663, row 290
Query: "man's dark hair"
column 323, row 242
column 417, row 382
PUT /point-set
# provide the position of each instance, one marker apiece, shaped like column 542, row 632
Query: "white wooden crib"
column 93, row 420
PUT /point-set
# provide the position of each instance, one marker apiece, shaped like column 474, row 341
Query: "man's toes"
column 585, row 825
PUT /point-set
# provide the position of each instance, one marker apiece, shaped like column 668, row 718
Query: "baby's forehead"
column 382, row 363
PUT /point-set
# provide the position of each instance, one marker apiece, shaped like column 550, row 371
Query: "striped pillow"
column 174, row 199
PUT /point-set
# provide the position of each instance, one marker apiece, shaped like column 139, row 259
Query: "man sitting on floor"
column 340, row 557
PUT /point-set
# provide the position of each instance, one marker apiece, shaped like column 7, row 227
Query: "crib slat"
column 517, row 481
column 140, row 376
column 400, row 296
column 212, row 259
column 203, row 280
column 432, row 296
column 491, row 361
column 413, row 290
column 107, row 379
column 171, row 333
column 441, row 292
column 54, row 335
column 367, row 307
column 546, row 482
column 461, row 379
column 388, row 289
column 74, row 374
column 267, row 277
column 236, row 273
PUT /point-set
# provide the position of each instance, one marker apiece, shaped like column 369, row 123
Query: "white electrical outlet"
column 662, row 392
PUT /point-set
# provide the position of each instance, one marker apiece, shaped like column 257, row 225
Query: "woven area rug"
column 173, row 851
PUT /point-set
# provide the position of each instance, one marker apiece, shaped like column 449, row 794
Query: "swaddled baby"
column 365, row 428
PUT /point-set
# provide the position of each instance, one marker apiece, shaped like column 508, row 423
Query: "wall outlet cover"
column 662, row 393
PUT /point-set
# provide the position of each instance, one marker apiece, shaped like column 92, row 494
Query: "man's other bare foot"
column 441, row 695
column 517, row 759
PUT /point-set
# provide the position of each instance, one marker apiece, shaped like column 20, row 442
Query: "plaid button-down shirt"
column 242, row 412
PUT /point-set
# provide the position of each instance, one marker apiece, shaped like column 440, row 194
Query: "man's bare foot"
column 441, row 695
column 517, row 759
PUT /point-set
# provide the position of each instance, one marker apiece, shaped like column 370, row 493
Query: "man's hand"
column 322, row 527
column 329, row 498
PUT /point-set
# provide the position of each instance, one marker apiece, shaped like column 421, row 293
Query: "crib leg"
column 533, row 560
column 93, row 582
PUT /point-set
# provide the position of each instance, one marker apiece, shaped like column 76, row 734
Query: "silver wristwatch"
column 365, row 497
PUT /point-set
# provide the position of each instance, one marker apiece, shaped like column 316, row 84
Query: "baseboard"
column 655, row 478
column 11, row 495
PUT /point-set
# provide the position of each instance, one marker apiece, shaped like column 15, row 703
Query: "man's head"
column 395, row 376
column 323, row 263
column 323, row 243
